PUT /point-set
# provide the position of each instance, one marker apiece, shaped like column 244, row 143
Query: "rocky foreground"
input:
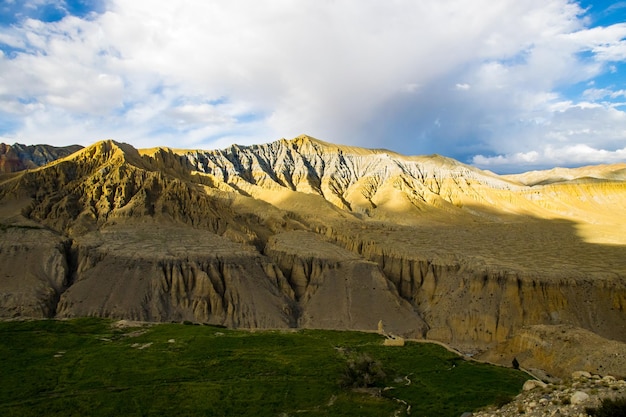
column 572, row 399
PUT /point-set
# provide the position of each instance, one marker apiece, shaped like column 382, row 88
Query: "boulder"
column 532, row 384
column 581, row 375
column 579, row 397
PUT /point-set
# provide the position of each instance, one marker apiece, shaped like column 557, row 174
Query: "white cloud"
column 607, row 43
column 371, row 73
column 575, row 135
column 603, row 93
column 577, row 155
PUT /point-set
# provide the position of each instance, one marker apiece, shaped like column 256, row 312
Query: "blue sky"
column 504, row 85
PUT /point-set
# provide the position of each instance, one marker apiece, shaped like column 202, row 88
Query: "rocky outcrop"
column 19, row 157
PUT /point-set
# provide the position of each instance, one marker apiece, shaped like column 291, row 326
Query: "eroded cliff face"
column 310, row 234
column 157, row 272
column 33, row 270
column 498, row 296
column 339, row 290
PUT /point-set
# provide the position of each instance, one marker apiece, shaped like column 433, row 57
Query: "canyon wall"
column 470, row 300
column 339, row 290
column 161, row 273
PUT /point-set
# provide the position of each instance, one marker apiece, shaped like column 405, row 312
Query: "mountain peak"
column 107, row 150
column 306, row 139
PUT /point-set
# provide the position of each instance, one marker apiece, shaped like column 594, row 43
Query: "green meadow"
column 89, row 367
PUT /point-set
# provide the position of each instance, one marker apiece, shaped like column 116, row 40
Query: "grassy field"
column 87, row 367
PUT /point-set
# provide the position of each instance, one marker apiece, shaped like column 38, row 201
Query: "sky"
column 504, row 85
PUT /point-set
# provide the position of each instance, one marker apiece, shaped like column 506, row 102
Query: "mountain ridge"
column 18, row 157
column 44, row 155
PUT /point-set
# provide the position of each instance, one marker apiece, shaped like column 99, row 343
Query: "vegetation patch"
column 91, row 367
column 609, row 408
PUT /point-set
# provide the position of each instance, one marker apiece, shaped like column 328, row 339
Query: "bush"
column 609, row 408
column 362, row 372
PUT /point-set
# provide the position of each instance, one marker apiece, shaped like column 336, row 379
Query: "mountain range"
column 306, row 234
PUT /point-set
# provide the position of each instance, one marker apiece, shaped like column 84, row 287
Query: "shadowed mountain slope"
column 19, row 157
column 303, row 233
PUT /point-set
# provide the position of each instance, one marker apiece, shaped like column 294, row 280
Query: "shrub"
column 609, row 408
column 362, row 372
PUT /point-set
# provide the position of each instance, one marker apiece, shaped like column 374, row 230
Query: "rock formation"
column 303, row 233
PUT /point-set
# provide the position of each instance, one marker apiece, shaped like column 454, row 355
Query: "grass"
column 87, row 367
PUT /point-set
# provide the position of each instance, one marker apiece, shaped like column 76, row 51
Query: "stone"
column 609, row 379
column 579, row 397
column 581, row 374
column 532, row 384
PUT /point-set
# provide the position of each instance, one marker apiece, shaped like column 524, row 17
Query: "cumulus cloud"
column 576, row 135
column 576, row 155
column 478, row 80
